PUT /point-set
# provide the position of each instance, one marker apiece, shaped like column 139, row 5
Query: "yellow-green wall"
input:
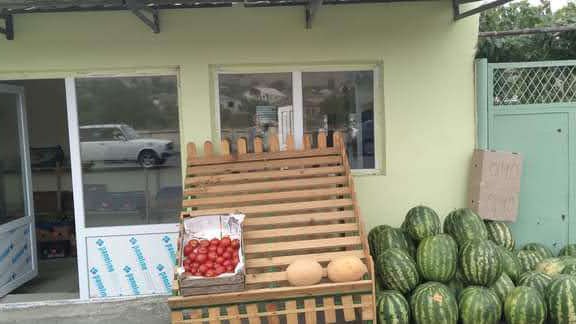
column 427, row 106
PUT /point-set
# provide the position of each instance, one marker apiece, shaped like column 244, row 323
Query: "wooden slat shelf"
column 298, row 203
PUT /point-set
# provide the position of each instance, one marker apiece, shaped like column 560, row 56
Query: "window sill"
column 366, row 172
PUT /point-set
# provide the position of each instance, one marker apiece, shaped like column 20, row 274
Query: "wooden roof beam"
column 312, row 8
column 149, row 16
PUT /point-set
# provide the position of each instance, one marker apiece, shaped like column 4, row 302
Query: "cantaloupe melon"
column 304, row 272
column 347, row 268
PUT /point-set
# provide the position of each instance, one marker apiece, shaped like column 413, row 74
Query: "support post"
column 8, row 29
column 147, row 15
column 481, row 72
column 459, row 15
column 312, row 8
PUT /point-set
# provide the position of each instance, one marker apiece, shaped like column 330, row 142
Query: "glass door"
column 17, row 231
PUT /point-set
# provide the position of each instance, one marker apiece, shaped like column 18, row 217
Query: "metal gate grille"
column 534, row 85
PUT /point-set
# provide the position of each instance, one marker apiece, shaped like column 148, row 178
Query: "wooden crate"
column 298, row 203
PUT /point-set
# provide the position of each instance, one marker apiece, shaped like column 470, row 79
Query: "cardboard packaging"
column 494, row 187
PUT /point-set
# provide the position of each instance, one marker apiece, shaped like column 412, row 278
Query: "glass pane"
column 253, row 105
column 130, row 150
column 342, row 101
column 12, row 203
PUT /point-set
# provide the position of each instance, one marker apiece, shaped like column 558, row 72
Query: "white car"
column 121, row 143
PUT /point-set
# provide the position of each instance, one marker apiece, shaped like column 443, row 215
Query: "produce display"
column 345, row 269
column 474, row 272
column 304, row 272
column 211, row 258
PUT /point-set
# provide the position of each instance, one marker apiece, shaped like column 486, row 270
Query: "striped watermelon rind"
column 525, row 305
column 397, row 270
column 510, row 264
column 551, row 266
column 535, row 279
column 421, row 222
column 528, row 260
column 561, row 298
column 436, row 258
column 479, row 305
column 503, row 286
column 392, row 308
column 539, row 248
column 570, row 269
column 432, row 302
column 464, row 225
column 500, row 234
column 383, row 237
column 480, row 263
column 568, row 250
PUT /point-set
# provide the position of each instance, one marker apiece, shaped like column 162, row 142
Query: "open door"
column 17, row 233
column 285, row 124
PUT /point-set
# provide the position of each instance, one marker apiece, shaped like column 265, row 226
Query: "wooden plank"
column 258, row 145
column 310, row 314
column 367, row 307
column 303, row 245
column 253, row 316
column 261, row 175
column 191, row 149
column 233, row 314
column 299, row 219
column 265, row 277
column 329, row 310
column 208, row 149
column 290, row 143
column 270, row 164
column 268, row 197
column 260, row 156
column 195, row 314
column 322, row 140
column 291, row 309
column 268, row 294
column 276, row 208
column 214, row 315
column 272, row 317
column 224, row 147
column 349, row 313
column 273, row 143
column 307, row 142
column 337, row 139
column 305, row 230
column 280, row 261
column 177, row 317
column 241, row 146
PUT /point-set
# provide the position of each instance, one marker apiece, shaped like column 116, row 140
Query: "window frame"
column 296, row 72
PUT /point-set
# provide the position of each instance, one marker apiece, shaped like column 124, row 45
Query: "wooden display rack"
column 298, row 203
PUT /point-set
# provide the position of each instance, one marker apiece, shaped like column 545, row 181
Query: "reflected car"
column 121, row 143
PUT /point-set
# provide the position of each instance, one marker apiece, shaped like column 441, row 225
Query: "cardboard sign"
column 494, row 187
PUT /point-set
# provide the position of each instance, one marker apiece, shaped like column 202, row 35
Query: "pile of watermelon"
column 466, row 270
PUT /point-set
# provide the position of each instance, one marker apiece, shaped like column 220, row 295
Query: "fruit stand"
column 299, row 203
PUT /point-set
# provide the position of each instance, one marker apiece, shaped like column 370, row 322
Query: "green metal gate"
column 530, row 108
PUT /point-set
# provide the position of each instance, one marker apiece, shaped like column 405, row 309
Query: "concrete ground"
column 150, row 310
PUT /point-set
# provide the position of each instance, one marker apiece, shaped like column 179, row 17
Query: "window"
column 130, row 150
column 262, row 104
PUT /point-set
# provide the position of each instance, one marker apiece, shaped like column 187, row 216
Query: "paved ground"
column 152, row 310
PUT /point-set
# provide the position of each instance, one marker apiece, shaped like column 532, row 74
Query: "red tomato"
column 235, row 244
column 209, row 264
column 203, row 250
column 220, row 270
column 226, row 262
column 214, row 242
column 194, row 265
column 226, row 241
column 202, row 268
column 186, row 262
column 187, row 267
column 220, row 260
column 229, row 268
column 230, row 250
column 227, row 255
column 235, row 254
column 204, row 243
column 192, row 256
column 212, row 256
column 199, row 274
column 201, row 258
column 212, row 248
column 210, row 273
column 193, row 243
column 193, row 269
column 220, row 250
column 188, row 249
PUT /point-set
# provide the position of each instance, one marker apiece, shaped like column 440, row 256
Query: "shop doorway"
column 41, row 263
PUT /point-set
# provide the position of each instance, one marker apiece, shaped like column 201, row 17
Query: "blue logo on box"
column 105, row 255
column 164, row 276
column 139, row 254
column 19, row 254
column 131, row 280
column 170, row 248
column 99, row 283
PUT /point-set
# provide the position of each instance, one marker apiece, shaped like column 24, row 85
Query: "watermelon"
column 528, row 260
column 541, row 249
column 397, row 270
column 456, row 286
column 436, row 258
column 500, row 234
column 561, row 297
column 569, row 250
column 463, row 225
column 524, row 305
column 433, row 302
column 551, row 266
column 383, row 237
column 480, row 263
column 479, row 305
column 569, row 269
column 421, row 222
column 510, row 264
column 503, row 286
column 535, row 279
column 392, row 308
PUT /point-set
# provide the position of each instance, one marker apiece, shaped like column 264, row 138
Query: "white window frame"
column 297, row 99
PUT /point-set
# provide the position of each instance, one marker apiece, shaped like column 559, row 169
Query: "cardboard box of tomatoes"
column 211, row 255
